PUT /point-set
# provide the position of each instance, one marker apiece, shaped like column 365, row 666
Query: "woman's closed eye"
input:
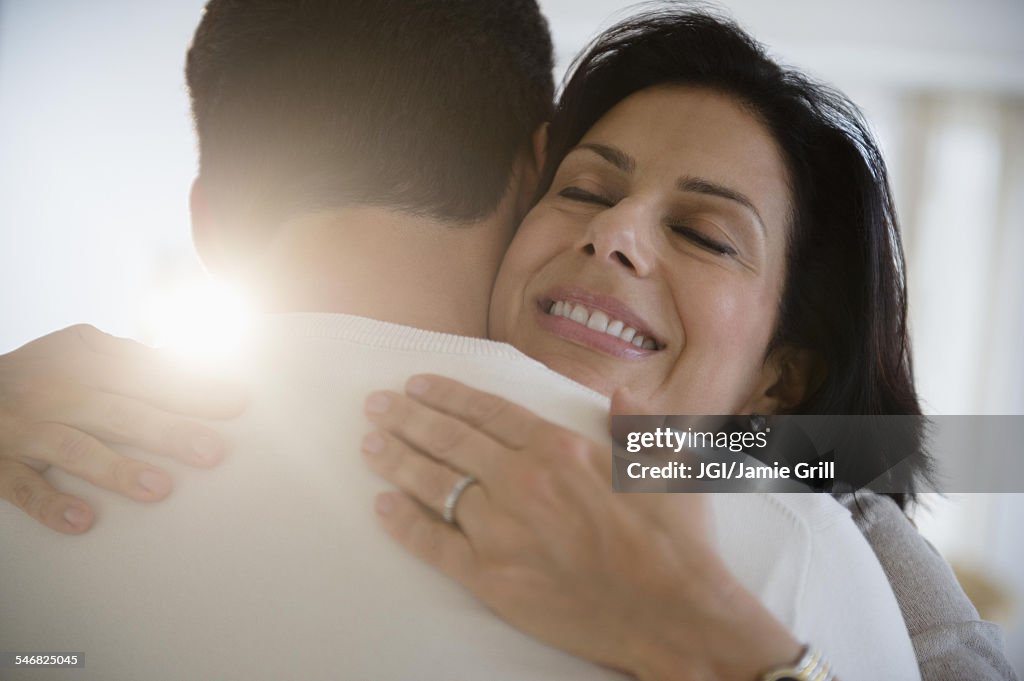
column 695, row 236
column 584, row 196
column 715, row 246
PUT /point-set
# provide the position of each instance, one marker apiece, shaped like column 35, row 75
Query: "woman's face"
column 656, row 260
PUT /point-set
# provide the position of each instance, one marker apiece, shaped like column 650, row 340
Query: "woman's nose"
column 620, row 236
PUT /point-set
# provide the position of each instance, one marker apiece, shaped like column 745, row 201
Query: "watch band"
column 812, row 666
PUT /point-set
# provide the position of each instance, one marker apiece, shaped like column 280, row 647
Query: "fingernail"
column 385, row 503
column 207, row 448
column 417, row 385
column 77, row 517
column 154, row 482
column 373, row 443
column 378, row 403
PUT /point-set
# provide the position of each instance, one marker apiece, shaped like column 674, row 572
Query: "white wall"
column 97, row 155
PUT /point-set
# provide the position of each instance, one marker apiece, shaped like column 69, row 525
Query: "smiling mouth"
column 601, row 322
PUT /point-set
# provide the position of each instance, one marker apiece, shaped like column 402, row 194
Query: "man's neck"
column 386, row 265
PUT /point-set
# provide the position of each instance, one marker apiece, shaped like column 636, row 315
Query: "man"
column 317, row 148
column 326, row 134
column 303, row 196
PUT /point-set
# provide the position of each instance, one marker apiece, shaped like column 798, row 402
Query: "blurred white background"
column 97, row 157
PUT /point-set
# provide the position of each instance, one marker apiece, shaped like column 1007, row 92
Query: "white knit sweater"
column 273, row 566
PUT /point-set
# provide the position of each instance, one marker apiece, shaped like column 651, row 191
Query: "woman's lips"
column 595, row 321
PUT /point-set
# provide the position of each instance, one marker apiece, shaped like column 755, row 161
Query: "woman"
column 716, row 235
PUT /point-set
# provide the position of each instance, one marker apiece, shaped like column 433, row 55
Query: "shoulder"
column 918, row 574
column 950, row 639
column 803, row 556
column 779, row 544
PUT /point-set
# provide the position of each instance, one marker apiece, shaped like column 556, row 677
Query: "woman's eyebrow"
column 616, row 157
column 703, row 186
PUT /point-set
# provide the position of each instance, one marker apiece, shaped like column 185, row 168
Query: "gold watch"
column 812, row 666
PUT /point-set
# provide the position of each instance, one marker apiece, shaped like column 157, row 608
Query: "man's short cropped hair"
column 416, row 105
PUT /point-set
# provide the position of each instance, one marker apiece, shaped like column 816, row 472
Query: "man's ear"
column 218, row 253
column 790, row 375
column 204, row 237
column 540, row 147
column 530, row 168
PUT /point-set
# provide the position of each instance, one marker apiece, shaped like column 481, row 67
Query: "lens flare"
column 201, row 321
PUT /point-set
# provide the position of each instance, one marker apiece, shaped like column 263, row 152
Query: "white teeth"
column 599, row 321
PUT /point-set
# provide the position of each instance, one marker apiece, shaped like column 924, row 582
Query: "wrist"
column 718, row 631
column 812, row 666
column 764, row 641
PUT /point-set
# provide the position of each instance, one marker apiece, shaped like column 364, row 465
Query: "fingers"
column 124, row 420
column 502, row 420
column 105, row 344
column 424, row 479
column 164, row 385
column 426, row 537
column 443, row 437
column 85, row 457
column 126, row 367
column 29, row 491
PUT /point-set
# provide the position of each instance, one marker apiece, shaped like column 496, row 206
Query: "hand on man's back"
column 66, row 397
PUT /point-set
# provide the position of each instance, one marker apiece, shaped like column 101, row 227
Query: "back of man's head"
column 415, row 105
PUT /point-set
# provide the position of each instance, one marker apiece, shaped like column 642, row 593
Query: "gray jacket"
column 951, row 641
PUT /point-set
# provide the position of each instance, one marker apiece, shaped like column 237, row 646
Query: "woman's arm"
column 66, row 396
column 630, row 581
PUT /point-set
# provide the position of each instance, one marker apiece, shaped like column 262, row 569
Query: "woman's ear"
column 789, row 376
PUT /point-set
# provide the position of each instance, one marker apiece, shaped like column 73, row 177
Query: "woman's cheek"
column 503, row 306
column 514, row 278
column 740, row 316
column 725, row 334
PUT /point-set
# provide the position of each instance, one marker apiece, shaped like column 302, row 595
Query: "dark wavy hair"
column 845, row 294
